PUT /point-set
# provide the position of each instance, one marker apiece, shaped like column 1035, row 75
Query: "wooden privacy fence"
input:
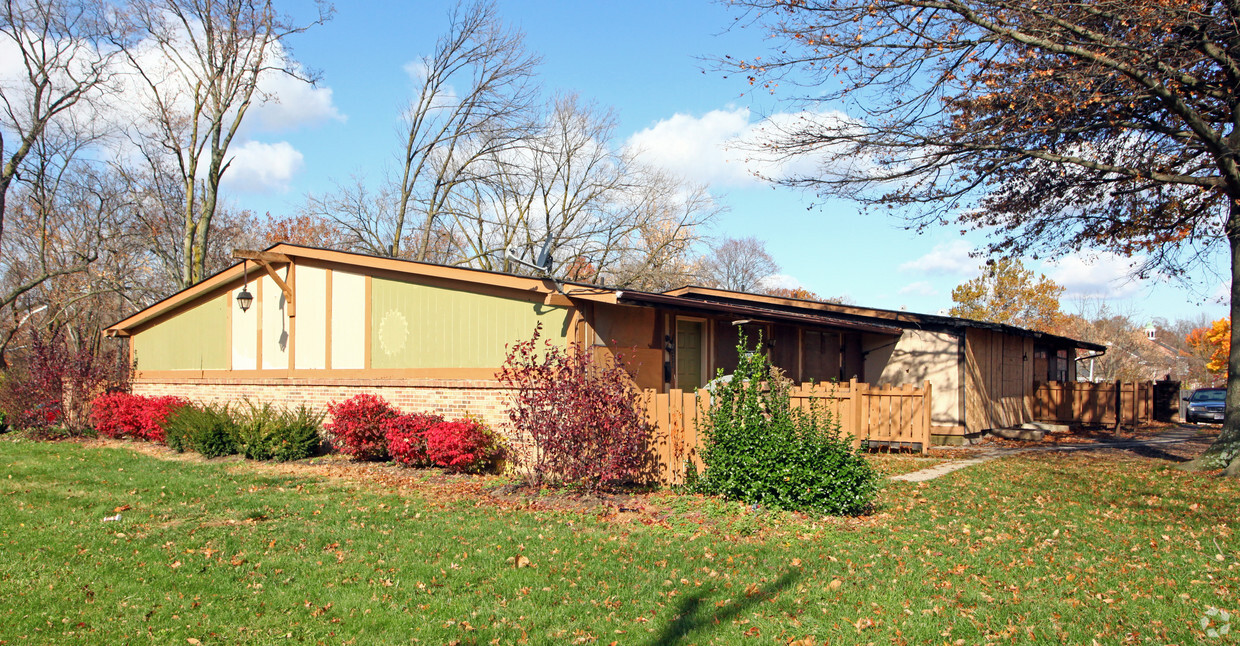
column 1081, row 402
column 884, row 416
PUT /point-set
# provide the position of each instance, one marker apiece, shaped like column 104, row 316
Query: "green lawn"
column 1034, row 549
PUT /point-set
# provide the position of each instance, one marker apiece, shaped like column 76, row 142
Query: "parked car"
column 1205, row 405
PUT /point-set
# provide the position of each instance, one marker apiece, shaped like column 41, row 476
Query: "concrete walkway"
column 1176, row 436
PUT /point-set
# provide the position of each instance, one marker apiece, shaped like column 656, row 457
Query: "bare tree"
column 608, row 218
column 60, row 47
column 476, row 91
column 488, row 166
column 738, row 264
column 69, row 231
column 201, row 65
column 655, row 248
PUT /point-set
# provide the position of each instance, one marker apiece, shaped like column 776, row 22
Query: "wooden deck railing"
column 883, row 416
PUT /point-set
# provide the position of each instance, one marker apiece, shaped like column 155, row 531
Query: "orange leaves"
column 1215, row 340
column 1008, row 293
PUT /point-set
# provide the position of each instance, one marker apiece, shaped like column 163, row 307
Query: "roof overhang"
column 555, row 292
column 898, row 318
column 752, row 312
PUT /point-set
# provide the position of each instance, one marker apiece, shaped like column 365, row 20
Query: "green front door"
column 689, row 343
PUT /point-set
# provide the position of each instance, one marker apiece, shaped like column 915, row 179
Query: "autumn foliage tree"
column 1055, row 126
column 1215, row 342
column 1006, row 292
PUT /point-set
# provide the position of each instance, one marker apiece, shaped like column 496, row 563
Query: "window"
column 1061, row 365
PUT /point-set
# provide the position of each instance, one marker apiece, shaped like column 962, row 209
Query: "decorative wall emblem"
column 393, row 333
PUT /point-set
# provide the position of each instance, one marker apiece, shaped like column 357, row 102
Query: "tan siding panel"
column 244, row 334
column 348, row 312
column 920, row 356
column 419, row 326
column 194, row 339
column 311, row 318
column 275, row 324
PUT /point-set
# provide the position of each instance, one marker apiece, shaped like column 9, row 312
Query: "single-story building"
column 324, row 325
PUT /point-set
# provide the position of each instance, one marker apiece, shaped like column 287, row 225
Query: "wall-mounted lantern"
column 244, row 297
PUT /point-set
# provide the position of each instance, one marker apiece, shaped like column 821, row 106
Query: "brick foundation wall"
column 450, row 398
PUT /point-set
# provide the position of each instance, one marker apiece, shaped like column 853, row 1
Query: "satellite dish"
column 544, row 256
column 542, row 264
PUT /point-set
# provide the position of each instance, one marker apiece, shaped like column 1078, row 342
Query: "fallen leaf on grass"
column 520, row 561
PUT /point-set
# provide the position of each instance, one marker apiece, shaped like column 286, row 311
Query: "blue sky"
column 645, row 60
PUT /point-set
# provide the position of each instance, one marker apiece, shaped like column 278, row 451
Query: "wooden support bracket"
column 265, row 259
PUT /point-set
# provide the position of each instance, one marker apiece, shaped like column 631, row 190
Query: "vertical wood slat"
column 899, row 416
column 1107, row 403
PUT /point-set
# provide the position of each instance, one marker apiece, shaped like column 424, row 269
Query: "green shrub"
column 761, row 451
column 209, row 430
column 267, row 433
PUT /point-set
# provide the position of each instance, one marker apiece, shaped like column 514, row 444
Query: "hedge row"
column 364, row 426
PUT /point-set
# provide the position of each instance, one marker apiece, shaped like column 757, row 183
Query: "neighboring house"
column 429, row 337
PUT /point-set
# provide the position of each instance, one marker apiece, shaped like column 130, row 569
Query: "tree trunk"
column 1224, row 453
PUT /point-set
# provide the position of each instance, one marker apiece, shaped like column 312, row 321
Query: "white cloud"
column 258, row 167
column 781, row 281
column 948, row 258
column 1105, row 275
column 694, row 147
column 718, row 148
column 293, row 103
column 919, row 288
column 1222, row 293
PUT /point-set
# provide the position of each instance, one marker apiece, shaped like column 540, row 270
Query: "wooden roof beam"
column 260, row 256
column 265, row 259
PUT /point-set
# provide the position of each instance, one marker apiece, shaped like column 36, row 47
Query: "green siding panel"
column 418, row 326
column 195, row 339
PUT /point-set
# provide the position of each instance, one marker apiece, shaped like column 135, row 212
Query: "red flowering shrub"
column 124, row 415
column 406, row 437
column 586, row 419
column 154, row 416
column 462, row 445
column 357, row 426
column 115, row 415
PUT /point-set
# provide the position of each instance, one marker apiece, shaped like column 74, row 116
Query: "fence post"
column 926, row 403
column 860, row 417
column 1119, row 405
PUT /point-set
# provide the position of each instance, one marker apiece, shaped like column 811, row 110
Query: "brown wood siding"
column 786, row 353
column 998, row 380
column 821, row 360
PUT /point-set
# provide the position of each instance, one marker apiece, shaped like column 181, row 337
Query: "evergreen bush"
column 264, row 432
column 209, row 430
column 759, row 450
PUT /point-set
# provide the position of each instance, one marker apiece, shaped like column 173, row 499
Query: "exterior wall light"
column 244, row 297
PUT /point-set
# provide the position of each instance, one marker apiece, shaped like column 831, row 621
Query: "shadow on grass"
column 691, row 615
column 1156, row 453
